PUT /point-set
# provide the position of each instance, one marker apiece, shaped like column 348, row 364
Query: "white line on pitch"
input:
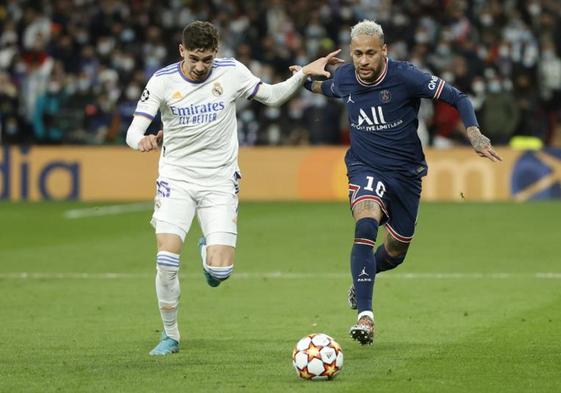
column 284, row 275
column 107, row 210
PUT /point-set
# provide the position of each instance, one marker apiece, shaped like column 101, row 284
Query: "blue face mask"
column 495, row 87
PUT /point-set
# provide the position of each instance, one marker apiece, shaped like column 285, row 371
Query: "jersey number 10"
column 380, row 187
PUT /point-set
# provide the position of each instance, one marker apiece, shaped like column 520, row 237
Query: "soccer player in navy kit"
column 385, row 162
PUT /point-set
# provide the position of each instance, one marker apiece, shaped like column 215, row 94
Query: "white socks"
column 367, row 314
column 168, row 291
column 219, row 272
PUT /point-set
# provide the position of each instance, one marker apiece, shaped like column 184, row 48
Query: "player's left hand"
column 317, row 67
column 151, row 142
column 295, row 68
column 482, row 145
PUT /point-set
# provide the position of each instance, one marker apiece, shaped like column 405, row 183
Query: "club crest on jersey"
column 385, row 96
column 177, row 95
column 217, row 89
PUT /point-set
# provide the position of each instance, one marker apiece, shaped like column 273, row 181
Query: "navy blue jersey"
column 383, row 115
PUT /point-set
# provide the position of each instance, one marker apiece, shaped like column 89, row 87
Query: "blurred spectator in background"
column 549, row 77
column 500, row 113
column 107, row 48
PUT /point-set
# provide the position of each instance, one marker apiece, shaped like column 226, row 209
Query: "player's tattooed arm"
column 316, row 87
column 481, row 144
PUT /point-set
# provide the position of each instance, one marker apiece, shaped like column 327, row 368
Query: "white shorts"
column 216, row 206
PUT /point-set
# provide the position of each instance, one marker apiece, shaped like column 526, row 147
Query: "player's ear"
column 385, row 50
column 181, row 50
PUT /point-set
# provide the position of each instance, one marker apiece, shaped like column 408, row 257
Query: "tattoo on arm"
column 477, row 139
column 316, row 87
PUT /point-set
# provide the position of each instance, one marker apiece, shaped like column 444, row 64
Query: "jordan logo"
column 350, row 99
column 363, row 276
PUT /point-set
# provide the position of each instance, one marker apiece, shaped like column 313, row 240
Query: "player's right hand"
column 481, row 144
column 151, row 142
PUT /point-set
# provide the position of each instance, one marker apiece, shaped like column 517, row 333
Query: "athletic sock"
column 363, row 262
column 219, row 272
column 168, row 291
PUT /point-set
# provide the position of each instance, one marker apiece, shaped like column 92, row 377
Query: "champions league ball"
column 317, row 356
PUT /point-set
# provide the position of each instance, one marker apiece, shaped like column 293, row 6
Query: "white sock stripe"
column 168, row 254
column 221, row 275
column 167, row 259
column 167, row 263
column 220, row 272
column 221, row 268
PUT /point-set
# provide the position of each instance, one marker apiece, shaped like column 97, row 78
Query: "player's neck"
column 379, row 77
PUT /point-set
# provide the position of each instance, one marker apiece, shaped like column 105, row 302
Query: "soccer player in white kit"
column 198, row 169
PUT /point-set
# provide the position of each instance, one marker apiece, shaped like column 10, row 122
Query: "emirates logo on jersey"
column 217, row 89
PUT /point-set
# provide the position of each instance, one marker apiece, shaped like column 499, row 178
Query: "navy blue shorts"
column 398, row 197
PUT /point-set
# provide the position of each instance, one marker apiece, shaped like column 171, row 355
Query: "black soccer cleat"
column 363, row 331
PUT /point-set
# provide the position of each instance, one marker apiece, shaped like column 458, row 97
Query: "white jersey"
column 199, row 119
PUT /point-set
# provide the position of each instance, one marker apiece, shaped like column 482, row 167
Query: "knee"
column 366, row 228
column 220, row 261
column 388, row 259
column 169, row 242
column 397, row 255
column 220, row 256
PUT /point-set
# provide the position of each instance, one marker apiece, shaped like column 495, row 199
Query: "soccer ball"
column 317, row 356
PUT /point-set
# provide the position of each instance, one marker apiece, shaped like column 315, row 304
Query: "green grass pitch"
column 471, row 310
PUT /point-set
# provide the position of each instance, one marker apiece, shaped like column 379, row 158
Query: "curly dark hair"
column 200, row 35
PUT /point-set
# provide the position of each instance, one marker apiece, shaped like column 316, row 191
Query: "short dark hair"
column 200, row 35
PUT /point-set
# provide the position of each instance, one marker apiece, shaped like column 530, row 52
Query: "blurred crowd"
column 71, row 71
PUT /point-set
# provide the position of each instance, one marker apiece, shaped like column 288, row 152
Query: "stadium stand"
column 71, row 71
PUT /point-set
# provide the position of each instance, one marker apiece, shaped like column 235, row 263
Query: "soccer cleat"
column 213, row 282
column 166, row 346
column 351, row 298
column 363, row 331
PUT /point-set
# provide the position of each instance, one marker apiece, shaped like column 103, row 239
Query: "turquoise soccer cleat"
column 213, row 282
column 166, row 346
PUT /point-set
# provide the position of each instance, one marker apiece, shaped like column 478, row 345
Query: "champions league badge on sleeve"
column 145, row 95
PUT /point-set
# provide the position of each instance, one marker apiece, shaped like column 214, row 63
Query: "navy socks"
column 363, row 262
